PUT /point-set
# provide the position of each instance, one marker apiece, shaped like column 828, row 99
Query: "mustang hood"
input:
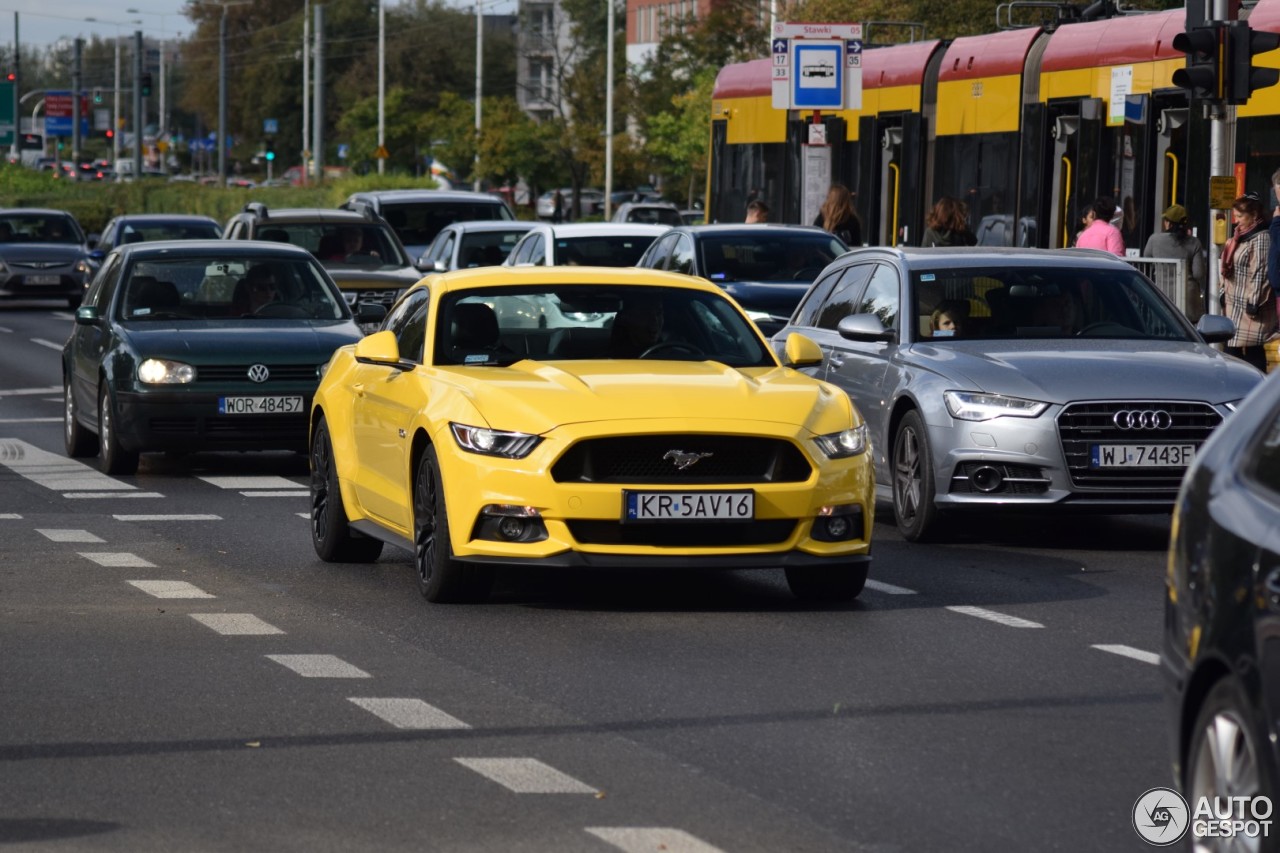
column 278, row 342
column 1079, row 370
column 532, row 396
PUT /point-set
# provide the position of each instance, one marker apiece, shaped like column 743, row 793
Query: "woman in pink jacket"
column 1098, row 231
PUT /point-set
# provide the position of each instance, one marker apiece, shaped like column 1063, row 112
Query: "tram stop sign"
column 817, row 66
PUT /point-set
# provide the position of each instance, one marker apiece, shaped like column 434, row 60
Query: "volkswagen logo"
column 683, row 460
column 1142, row 419
column 259, row 373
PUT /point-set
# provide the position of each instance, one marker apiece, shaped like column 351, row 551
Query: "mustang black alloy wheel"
column 441, row 578
column 332, row 537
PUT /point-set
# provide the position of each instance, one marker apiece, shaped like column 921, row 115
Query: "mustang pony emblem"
column 683, row 460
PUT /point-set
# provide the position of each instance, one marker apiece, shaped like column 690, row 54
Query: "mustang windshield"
column 1041, row 302
column 205, row 288
column 499, row 326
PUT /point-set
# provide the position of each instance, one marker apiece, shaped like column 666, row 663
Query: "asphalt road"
column 962, row 703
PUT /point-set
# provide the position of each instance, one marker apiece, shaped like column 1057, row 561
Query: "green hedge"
column 93, row 204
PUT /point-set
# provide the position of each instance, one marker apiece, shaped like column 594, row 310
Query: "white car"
column 597, row 244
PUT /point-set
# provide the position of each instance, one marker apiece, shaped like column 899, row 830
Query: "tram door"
column 900, row 180
column 1170, row 180
column 1075, row 130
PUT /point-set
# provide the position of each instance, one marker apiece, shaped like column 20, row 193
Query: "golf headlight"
column 161, row 371
column 968, row 406
column 492, row 442
column 843, row 444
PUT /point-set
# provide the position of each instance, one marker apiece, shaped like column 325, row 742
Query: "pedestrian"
column 1098, row 231
column 1247, row 298
column 1273, row 231
column 557, row 207
column 1176, row 241
column 948, row 224
column 757, row 212
column 838, row 216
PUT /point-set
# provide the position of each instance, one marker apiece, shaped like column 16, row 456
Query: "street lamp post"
column 164, row 39
column 222, row 84
column 115, row 104
column 382, row 84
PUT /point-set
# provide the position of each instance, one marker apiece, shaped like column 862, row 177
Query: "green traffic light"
column 271, row 155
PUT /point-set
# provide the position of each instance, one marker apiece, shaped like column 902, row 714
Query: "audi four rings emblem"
column 1142, row 419
column 259, row 373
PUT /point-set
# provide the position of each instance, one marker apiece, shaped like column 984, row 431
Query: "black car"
column 200, row 345
column 766, row 268
column 43, row 255
column 357, row 247
column 1221, row 655
column 146, row 227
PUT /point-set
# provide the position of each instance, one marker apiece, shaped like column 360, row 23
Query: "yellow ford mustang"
column 574, row 416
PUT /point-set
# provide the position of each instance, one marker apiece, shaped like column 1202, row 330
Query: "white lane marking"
column 290, row 494
column 6, row 330
column 250, row 482
column 409, row 713
column 28, row 392
column 50, row 344
column 62, row 315
column 171, row 589
column 67, row 535
column 305, row 515
column 993, row 616
column 10, row 516
column 145, row 517
column 888, row 588
column 319, row 666
column 30, row 420
column 237, row 624
column 526, row 775
column 1130, row 652
column 55, row 471
column 112, row 495
column 123, row 560
column 646, row 839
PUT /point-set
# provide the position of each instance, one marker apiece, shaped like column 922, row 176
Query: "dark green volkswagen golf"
column 200, row 345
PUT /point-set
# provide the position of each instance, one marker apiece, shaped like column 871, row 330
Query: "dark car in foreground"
column 766, row 268
column 43, row 255
column 200, row 345
column 357, row 247
column 1019, row 379
column 1221, row 653
column 146, row 227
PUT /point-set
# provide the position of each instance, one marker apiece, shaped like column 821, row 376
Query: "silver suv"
column 417, row 216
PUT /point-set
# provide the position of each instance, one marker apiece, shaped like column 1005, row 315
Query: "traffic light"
column 1243, row 77
column 269, row 150
column 145, row 85
column 111, row 134
column 1202, row 76
column 97, row 94
column 11, row 76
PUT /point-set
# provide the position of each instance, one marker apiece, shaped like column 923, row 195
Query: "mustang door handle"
column 358, row 388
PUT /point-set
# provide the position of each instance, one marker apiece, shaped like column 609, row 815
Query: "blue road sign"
column 818, row 77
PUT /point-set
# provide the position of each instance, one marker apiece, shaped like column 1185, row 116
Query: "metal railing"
column 1171, row 276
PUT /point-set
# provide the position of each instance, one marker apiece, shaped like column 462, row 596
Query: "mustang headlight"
column 492, row 442
column 843, row 444
column 161, row 371
column 969, row 406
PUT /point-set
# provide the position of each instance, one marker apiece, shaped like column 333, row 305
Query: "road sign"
column 1222, row 192
column 270, row 126
column 382, row 152
column 816, row 66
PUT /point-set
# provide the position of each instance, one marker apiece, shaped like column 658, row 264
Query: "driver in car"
column 637, row 327
column 262, row 288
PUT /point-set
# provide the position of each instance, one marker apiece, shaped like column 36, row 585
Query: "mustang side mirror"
column 801, row 351
column 379, row 348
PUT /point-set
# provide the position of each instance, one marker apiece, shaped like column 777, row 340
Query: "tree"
column 678, row 138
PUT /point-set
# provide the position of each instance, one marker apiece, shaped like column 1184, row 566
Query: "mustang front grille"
column 682, row 459
column 683, row 534
column 1135, row 422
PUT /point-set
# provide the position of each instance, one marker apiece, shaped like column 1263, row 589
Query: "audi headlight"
column 492, row 442
column 843, row 444
column 968, row 406
column 161, row 371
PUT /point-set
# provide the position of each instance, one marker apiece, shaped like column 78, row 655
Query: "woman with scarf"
column 1246, row 294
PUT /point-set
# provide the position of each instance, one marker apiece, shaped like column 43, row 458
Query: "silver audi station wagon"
column 1018, row 378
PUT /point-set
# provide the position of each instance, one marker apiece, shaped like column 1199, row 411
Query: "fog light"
column 511, row 528
column 838, row 523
